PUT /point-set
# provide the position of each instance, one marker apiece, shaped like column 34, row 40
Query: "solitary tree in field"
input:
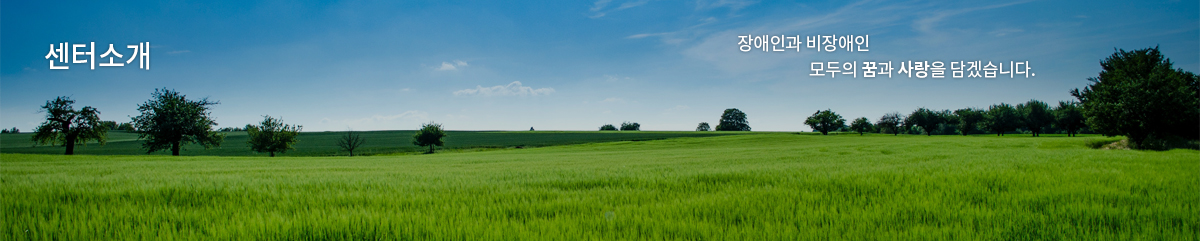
column 273, row 136
column 733, row 120
column 631, row 126
column 350, row 141
column 703, row 127
column 1035, row 115
column 1002, row 118
column 608, row 127
column 968, row 119
column 825, row 121
column 926, row 119
column 68, row 126
column 1068, row 117
column 429, row 135
column 890, row 122
column 861, row 125
column 169, row 121
column 1140, row 95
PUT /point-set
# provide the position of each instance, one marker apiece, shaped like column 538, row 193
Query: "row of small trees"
column 732, row 119
column 1033, row 116
column 626, row 126
column 168, row 121
column 1138, row 94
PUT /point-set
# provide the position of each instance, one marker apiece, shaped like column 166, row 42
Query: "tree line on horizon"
column 1138, row 94
column 168, row 121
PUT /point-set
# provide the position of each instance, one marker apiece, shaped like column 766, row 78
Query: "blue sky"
column 562, row 65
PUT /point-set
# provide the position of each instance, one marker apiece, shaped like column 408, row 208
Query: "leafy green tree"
column 860, row 125
column 110, row 125
column 1067, row 116
column 1139, row 94
column 608, row 127
column 68, row 126
column 926, row 119
column 1035, row 115
column 890, row 122
column 351, row 141
column 631, row 126
column 430, row 135
column 1002, row 118
column 733, row 120
column 273, row 136
column 169, row 120
column 968, row 119
column 825, row 121
column 128, row 127
column 703, row 127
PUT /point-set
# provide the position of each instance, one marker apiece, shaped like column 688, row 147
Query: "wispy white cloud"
column 600, row 4
column 447, row 66
column 600, row 8
column 731, row 4
column 613, row 100
column 614, row 78
column 511, row 89
column 632, row 4
column 927, row 24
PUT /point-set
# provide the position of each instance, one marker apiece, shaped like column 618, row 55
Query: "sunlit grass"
column 776, row 186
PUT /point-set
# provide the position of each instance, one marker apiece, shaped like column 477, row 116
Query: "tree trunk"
column 430, row 148
column 272, row 154
column 175, row 148
column 70, row 142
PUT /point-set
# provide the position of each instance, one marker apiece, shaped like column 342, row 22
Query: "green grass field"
column 769, row 186
column 377, row 142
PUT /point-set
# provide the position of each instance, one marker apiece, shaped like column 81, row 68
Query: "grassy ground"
column 377, row 142
column 776, row 186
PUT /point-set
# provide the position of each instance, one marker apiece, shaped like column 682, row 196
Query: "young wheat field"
column 772, row 186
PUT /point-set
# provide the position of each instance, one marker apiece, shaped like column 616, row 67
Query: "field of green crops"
column 767, row 186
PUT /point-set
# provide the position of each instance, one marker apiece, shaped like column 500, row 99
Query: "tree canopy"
column 430, row 135
column 631, row 126
column 272, row 136
column 926, row 119
column 68, row 126
column 1035, row 115
column 733, row 120
column 1139, row 94
column 608, row 127
column 968, row 119
column 169, row 120
column 352, row 140
column 861, row 125
column 890, row 122
column 1001, row 118
column 1068, row 117
column 703, row 127
column 825, row 121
